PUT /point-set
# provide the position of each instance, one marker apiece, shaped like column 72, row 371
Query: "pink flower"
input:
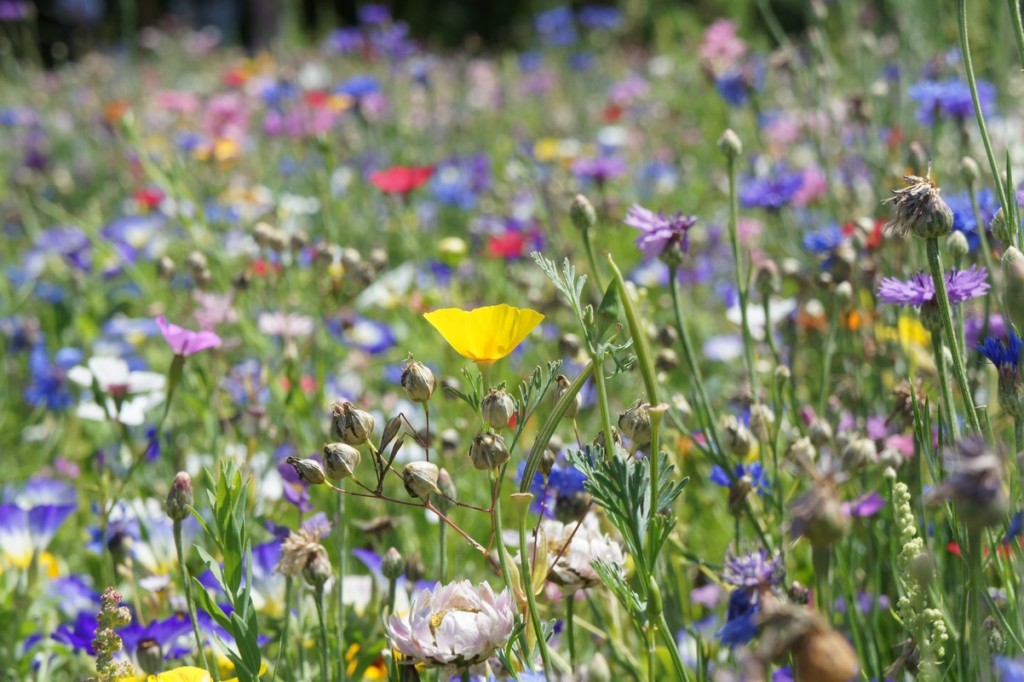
column 814, row 187
column 722, row 48
column 214, row 310
column 186, row 342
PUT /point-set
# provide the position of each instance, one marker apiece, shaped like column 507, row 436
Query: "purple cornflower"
column 950, row 99
column 961, row 285
column 659, row 232
column 600, row 169
column 755, row 569
column 772, row 191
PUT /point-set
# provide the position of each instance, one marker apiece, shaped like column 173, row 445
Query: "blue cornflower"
column 358, row 87
column 753, row 473
column 1015, row 529
column 949, row 99
column 741, row 618
column 732, row 87
column 824, row 240
column 556, row 26
column 48, row 385
column 1009, row 670
column 601, row 17
column 564, row 481
column 772, row 191
column 963, row 213
column 1005, row 355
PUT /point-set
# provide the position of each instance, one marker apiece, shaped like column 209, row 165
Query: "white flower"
column 287, row 325
column 780, row 310
column 574, row 568
column 454, row 625
column 137, row 392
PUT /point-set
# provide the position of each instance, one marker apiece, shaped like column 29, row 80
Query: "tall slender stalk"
column 531, row 601
column 190, row 604
column 947, row 390
column 325, row 675
column 741, row 283
column 946, row 315
column 982, row 670
column 342, row 558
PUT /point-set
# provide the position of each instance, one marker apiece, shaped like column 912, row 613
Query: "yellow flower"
column 484, row 334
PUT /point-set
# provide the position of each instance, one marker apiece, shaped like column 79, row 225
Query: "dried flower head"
column 974, row 483
column 340, row 460
column 299, row 549
column 818, row 515
column 351, row 425
column 420, row 479
column 819, row 652
column 919, row 209
column 308, row 470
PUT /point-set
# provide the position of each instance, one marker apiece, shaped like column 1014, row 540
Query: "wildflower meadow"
column 678, row 346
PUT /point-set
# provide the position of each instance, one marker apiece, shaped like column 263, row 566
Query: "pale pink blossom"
column 288, row 325
column 214, row 310
column 722, row 48
column 453, row 626
column 813, row 188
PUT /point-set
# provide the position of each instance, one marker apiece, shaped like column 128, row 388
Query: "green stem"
column 442, row 550
column 965, row 55
column 570, row 628
column 186, row 583
column 589, row 248
column 741, row 285
column 944, row 385
column 531, row 602
column 673, row 649
column 342, row 560
column 640, row 346
column 324, row 665
column 284, row 628
column 822, row 559
column 1018, row 434
column 1018, row 28
column 652, row 656
column 942, row 298
column 601, row 385
column 976, row 636
column 826, row 361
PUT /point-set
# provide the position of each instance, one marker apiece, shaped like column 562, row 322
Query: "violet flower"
column 962, row 285
column 658, row 232
column 185, row 342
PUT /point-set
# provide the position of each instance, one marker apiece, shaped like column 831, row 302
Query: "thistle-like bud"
column 729, row 144
column 150, row 656
column 969, row 170
column 392, row 564
column 762, row 419
column 165, row 268
column 931, row 316
column 418, row 381
column 317, row 570
column 349, row 424
column 582, row 213
column 767, row 279
column 667, row 336
column 802, row 450
column 420, row 479
column 561, row 388
column 196, row 263
column 666, row 360
column 820, row 432
column 340, row 460
column 858, row 454
column 818, row 515
column 919, row 210
column 488, row 451
column 635, row 424
column 179, row 499
column 956, row 244
column 497, row 408
column 738, row 438
column 308, row 470
column 1000, row 228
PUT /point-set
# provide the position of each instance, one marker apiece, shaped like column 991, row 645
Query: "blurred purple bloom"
column 186, row 342
column 950, row 99
column 658, row 232
column 600, row 169
column 961, row 285
column 771, row 192
column 867, row 504
column 755, row 569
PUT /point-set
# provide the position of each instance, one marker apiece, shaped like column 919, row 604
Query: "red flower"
column 315, row 98
column 401, row 179
column 149, row 198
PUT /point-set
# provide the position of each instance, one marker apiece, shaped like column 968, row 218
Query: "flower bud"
column 1013, row 282
column 497, row 408
column 762, row 419
column 298, row 240
column 599, row 439
column 666, row 360
column 561, row 388
column 582, row 213
column 667, row 336
column 922, row 568
column 818, row 516
column 767, row 279
column 179, row 499
column 317, row 570
column 820, row 432
column 843, row 294
column 150, row 656
column 570, row 345
column 196, row 262
column 340, row 461
column 858, row 454
column 414, row 568
column 351, row 425
column 308, row 470
column 798, row 594
column 488, row 451
column 547, row 461
column 1000, row 229
column 956, row 244
column 392, row 564
column 729, row 144
column 165, row 268
column 420, row 479
column 418, row 381
column 737, row 436
column 802, row 450
column 920, row 210
column 635, row 424
column 969, row 170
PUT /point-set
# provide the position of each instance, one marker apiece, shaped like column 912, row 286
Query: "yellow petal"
column 184, row 674
column 484, row 334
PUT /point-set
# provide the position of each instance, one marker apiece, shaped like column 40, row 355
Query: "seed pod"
column 582, row 213
column 392, row 565
column 418, row 382
column 767, row 280
column 820, row 432
column 340, row 461
column 858, row 454
column 349, row 424
column 488, row 451
column 497, row 408
column 729, row 144
column 738, row 438
column 635, row 424
column 420, row 479
column 561, row 388
column 308, row 470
